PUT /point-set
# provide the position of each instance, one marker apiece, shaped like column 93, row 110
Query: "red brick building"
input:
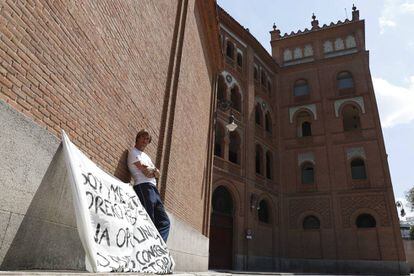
column 303, row 183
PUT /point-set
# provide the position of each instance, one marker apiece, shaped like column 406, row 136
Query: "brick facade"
column 313, row 58
column 102, row 70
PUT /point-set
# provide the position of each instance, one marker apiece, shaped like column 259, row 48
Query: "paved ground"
column 208, row 273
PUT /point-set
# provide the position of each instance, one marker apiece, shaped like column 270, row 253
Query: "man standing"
column 145, row 173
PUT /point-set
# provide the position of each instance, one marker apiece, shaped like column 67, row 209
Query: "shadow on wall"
column 47, row 237
column 121, row 171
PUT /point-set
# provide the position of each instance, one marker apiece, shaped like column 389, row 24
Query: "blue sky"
column 389, row 32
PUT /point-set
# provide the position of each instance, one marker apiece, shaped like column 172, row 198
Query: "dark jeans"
column 150, row 199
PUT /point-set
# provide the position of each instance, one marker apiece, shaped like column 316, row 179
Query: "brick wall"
column 98, row 70
column 185, row 193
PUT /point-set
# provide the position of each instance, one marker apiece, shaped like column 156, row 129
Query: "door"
column 221, row 230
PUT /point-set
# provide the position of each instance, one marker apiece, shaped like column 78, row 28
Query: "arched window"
column 358, row 169
column 255, row 73
column 304, row 125
column 234, row 147
column 306, row 129
column 327, row 46
column 307, row 173
column 222, row 201
column 269, row 165
column 219, row 140
column 350, row 41
column 301, row 88
column 339, row 44
column 263, row 77
column 236, row 98
column 221, row 89
column 268, row 122
column 230, row 50
column 351, row 120
column 239, row 59
column 287, row 55
column 344, row 80
column 311, row 223
column 263, row 212
column 258, row 115
column 365, row 221
column 259, row 158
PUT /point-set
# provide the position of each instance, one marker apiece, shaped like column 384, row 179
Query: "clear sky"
column 389, row 33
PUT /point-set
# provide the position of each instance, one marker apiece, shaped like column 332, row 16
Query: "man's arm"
column 144, row 169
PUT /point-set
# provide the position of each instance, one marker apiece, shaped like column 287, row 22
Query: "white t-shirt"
column 134, row 156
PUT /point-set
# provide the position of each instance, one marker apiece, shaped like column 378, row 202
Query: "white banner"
column 115, row 230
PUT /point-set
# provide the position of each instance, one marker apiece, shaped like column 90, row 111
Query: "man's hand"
column 152, row 172
column 144, row 169
column 157, row 173
column 148, row 172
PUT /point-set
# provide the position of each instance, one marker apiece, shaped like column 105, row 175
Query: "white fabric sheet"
column 114, row 228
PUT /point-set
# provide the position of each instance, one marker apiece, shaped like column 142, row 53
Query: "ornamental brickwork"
column 319, row 206
column 352, row 204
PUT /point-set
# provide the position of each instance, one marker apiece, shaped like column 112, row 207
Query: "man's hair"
column 143, row 132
